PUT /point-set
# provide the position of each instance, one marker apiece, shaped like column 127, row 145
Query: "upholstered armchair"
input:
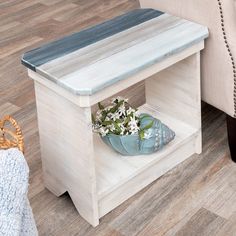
column 219, row 57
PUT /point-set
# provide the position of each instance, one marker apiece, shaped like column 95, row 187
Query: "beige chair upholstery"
column 219, row 56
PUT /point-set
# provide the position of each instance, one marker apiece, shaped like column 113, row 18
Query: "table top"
column 95, row 58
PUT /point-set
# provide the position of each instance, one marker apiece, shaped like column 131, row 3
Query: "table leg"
column 67, row 150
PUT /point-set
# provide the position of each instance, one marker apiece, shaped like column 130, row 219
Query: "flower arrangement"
column 127, row 131
column 119, row 118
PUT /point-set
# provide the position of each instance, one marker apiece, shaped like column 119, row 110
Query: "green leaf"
column 105, row 123
column 149, row 125
column 104, row 115
column 117, row 127
column 141, row 134
column 115, row 108
column 118, row 121
column 127, row 120
column 144, row 116
column 101, row 107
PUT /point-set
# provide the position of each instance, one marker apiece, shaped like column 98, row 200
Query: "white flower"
column 103, row 131
column 133, row 125
column 108, row 108
column 133, row 121
column 122, row 127
column 122, row 132
column 112, row 127
column 147, row 134
column 99, row 115
column 115, row 116
column 130, row 110
column 108, row 117
column 133, row 132
column 109, row 122
column 134, row 129
column 96, row 127
column 118, row 99
column 137, row 113
column 122, row 110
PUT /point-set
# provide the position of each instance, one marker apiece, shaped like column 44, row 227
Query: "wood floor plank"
column 21, row 44
column 203, row 223
column 229, row 228
column 28, row 12
column 53, row 11
column 8, row 108
column 51, row 2
column 10, row 7
column 9, row 26
column 83, row 9
column 52, row 214
column 8, row 3
column 223, row 202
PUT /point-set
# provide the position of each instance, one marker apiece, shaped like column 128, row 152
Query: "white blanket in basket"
column 16, row 218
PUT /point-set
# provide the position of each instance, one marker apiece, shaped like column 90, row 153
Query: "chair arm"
column 219, row 56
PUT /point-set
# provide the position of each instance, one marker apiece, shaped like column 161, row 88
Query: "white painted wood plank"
column 102, row 49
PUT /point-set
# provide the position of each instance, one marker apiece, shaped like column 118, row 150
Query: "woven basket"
column 132, row 145
column 9, row 138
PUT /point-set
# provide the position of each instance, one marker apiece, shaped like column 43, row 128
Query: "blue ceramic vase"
column 131, row 145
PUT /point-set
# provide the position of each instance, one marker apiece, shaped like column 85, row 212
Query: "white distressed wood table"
column 73, row 74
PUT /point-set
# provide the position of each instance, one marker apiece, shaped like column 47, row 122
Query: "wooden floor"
column 195, row 199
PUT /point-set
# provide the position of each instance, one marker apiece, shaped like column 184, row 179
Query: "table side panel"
column 67, row 150
column 176, row 91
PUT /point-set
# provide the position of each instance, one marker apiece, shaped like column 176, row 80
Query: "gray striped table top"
column 90, row 60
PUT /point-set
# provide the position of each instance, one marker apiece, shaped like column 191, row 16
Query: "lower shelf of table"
column 119, row 177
